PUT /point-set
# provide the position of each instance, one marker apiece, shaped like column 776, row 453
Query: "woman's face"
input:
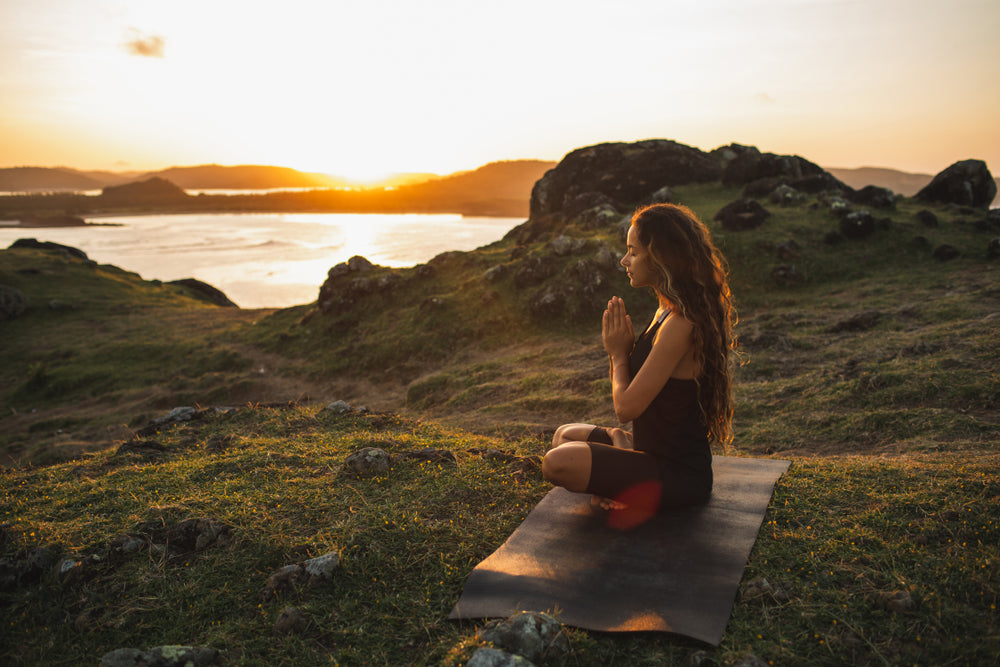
column 637, row 261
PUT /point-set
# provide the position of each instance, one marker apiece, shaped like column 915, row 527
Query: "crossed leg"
column 568, row 464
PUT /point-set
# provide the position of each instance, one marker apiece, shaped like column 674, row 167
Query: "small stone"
column 123, row 657
column 368, row 461
column 701, row 659
column 280, row 580
column 338, row 408
column 492, row 657
column 182, row 656
column 322, row 567
column 182, row 414
column 749, row 660
column 290, row 620
column 532, row 635
column 898, row 601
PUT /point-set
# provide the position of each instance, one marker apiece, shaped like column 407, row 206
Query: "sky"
column 369, row 87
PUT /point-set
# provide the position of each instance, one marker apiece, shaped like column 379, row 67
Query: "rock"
column 749, row 660
column 13, row 303
column 741, row 215
column 290, row 620
column 624, row 173
column 322, row 567
column 338, row 408
column 205, row 292
column 368, row 462
column 662, row 196
column 607, row 259
column 599, row 217
column 857, row 225
column 337, row 295
column 162, row 656
column 838, row 206
column 359, row 264
column 927, row 218
column 177, row 415
column 311, row 572
column 577, row 205
column 548, row 304
column 68, row 251
column 993, row 249
column 532, row 271
column 124, row 657
column 496, row 273
column 897, row 601
column 492, row 657
column 761, row 587
column 874, row 196
column 562, row 246
column 701, row 658
column 282, row 580
column 746, row 164
column 966, row 183
column 945, row 252
column 785, row 195
column 532, row 635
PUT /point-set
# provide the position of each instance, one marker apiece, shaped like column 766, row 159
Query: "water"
column 264, row 260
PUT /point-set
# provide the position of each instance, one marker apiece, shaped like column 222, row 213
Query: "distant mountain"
column 901, row 182
column 509, row 179
column 508, row 176
column 150, row 190
column 243, row 177
column 30, row 179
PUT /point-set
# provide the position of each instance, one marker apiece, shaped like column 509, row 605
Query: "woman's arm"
column 632, row 396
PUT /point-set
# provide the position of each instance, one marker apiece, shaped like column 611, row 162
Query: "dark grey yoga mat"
column 677, row 573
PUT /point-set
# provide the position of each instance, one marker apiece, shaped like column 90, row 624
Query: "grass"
column 843, row 535
column 874, row 369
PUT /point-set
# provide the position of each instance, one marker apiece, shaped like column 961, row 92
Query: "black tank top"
column 672, row 428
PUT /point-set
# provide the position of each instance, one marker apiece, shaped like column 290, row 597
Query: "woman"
column 673, row 382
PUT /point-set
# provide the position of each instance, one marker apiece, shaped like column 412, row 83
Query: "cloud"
column 763, row 98
column 146, row 46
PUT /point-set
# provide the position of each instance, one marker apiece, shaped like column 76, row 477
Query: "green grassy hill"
column 870, row 364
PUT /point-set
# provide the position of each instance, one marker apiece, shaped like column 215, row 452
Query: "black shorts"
column 615, row 471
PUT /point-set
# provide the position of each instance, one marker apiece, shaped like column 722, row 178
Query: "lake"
column 265, row 260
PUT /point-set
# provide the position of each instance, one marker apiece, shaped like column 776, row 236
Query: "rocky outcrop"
column 346, row 284
column 741, row 215
column 35, row 244
column 621, row 175
column 966, row 183
column 746, row 165
column 205, row 292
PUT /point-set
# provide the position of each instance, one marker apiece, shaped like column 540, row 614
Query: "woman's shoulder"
column 674, row 327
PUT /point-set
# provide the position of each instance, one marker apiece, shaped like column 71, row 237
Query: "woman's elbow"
column 625, row 413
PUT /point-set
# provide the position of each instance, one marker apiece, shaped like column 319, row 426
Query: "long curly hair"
column 691, row 274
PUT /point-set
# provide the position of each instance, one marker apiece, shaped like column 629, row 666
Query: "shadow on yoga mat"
column 677, row 573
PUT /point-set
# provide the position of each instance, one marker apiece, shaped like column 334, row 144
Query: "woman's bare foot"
column 620, row 438
column 606, row 503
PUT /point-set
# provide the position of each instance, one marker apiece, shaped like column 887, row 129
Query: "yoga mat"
column 677, row 573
